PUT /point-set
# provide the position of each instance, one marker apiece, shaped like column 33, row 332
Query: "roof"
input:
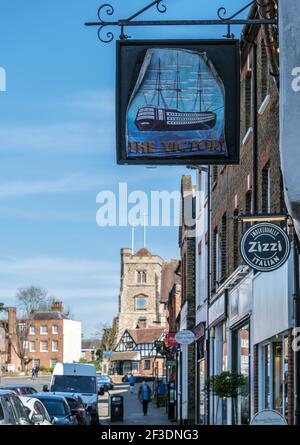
column 90, row 344
column 146, row 335
column 143, row 252
column 50, row 315
column 168, row 279
column 123, row 356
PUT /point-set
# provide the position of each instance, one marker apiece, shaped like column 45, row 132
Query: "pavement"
column 133, row 412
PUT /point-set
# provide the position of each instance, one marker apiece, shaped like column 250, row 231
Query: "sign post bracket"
column 162, row 8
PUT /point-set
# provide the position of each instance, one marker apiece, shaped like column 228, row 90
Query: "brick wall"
column 232, row 186
column 46, row 357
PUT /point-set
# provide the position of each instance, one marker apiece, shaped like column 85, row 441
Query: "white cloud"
column 74, row 137
column 67, row 184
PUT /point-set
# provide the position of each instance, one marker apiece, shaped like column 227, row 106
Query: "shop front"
column 199, row 332
column 272, row 337
column 217, row 319
column 240, row 303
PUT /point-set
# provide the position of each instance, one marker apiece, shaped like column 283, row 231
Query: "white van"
column 77, row 378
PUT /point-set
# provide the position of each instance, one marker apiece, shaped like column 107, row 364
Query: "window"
column 32, row 346
column 266, row 190
column 53, row 362
column 223, row 247
column 241, row 364
column 142, row 323
column 248, row 100
column 32, row 330
column 43, row 346
column 141, row 277
column 44, row 330
column 36, row 362
column 218, row 259
column 54, row 345
column 235, row 240
column 55, row 329
column 248, row 208
column 264, row 71
column 141, row 303
column 147, row 365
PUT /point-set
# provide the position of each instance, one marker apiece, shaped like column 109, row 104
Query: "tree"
column 228, row 384
column 108, row 339
column 30, row 300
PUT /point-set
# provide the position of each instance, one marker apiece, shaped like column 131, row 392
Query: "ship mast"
column 177, row 84
column 158, row 87
column 199, row 90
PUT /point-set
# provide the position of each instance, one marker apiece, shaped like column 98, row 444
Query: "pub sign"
column 178, row 102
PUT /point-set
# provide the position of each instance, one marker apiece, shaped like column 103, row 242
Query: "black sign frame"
column 129, row 58
column 261, row 268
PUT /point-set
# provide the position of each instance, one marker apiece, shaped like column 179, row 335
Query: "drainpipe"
column 297, row 325
column 207, row 349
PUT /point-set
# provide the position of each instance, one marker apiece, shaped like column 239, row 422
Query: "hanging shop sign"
column 268, row 417
column 265, row 247
column 170, row 340
column 185, row 337
column 178, row 102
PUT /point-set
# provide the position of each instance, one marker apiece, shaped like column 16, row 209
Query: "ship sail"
column 161, row 116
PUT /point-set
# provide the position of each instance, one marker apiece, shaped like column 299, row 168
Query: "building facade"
column 51, row 337
column 244, row 318
column 139, row 301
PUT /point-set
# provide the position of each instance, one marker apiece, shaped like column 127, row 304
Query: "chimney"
column 12, row 320
column 57, row 306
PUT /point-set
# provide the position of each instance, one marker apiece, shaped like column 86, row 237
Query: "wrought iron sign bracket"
column 162, row 8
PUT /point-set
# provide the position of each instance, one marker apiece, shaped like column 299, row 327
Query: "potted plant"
column 228, row 384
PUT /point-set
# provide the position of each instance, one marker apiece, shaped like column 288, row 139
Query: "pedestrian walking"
column 144, row 396
column 37, row 368
column 132, row 381
column 32, row 373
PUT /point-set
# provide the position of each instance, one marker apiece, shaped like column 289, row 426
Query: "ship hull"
column 174, row 120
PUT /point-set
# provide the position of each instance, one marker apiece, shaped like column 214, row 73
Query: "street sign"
column 268, row 417
column 265, row 247
column 185, row 337
column 170, row 340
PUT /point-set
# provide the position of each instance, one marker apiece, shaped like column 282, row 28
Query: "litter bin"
column 116, row 408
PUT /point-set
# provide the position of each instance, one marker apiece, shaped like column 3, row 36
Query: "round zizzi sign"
column 268, row 417
column 185, row 337
column 265, row 247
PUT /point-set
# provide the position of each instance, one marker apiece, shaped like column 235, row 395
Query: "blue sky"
column 57, row 151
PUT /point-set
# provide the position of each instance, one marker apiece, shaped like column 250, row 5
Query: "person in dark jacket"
column 145, row 396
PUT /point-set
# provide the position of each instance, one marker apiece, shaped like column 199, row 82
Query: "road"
column 26, row 380
column 133, row 414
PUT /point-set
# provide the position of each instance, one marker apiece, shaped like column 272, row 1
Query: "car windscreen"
column 74, row 383
column 55, row 407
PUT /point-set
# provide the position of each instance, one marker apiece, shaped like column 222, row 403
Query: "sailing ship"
column 161, row 117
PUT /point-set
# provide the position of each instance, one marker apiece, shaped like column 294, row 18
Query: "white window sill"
column 247, row 135
column 264, row 104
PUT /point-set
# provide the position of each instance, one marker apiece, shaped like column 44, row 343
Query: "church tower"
column 139, row 299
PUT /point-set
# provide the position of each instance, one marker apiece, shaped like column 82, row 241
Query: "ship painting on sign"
column 162, row 118
column 178, row 102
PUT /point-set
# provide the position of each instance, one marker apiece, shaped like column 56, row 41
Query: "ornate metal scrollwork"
column 109, row 10
column 160, row 7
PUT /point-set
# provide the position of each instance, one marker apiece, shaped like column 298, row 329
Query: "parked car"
column 77, row 407
column 58, row 409
column 106, row 381
column 21, row 390
column 36, row 407
column 13, row 412
column 77, row 378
